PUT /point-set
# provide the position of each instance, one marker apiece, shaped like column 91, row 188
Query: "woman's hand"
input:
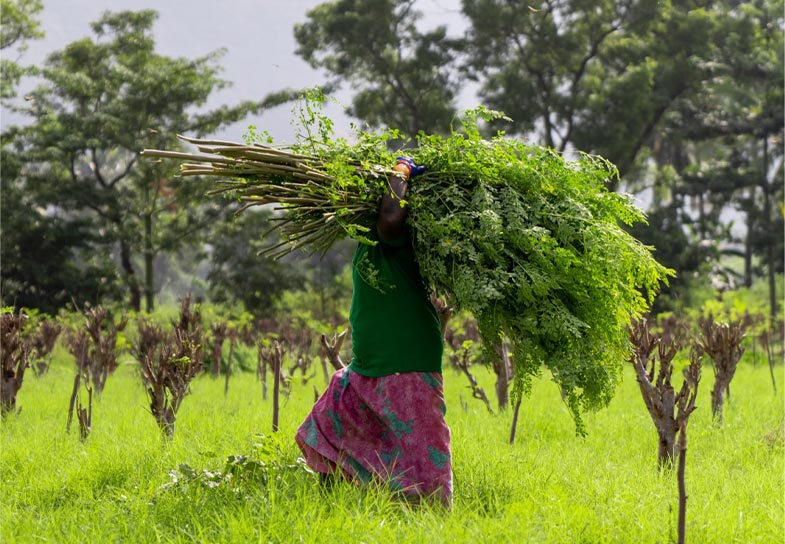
column 407, row 166
column 392, row 211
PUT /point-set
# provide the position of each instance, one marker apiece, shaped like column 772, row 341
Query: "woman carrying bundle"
column 382, row 417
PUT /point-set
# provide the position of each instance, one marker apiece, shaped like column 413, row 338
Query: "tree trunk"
column 276, row 391
column 666, row 425
column 701, row 216
column 261, row 369
column 168, row 421
column 163, row 411
column 514, row 426
column 766, row 339
column 718, row 399
column 682, row 527
column 263, row 378
column 748, row 241
column 666, row 429
column 72, row 403
column 10, row 385
column 770, row 257
column 130, row 276
column 85, row 416
column 148, row 262
column 99, row 380
column 217, row 351
column 228, row 367
column 500, row 366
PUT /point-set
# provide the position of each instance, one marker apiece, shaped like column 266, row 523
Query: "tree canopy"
column 18, row 25
column 401, row 76
column 105, row 98
column 684, row 97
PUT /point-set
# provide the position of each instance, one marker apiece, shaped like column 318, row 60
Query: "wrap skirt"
column 389, row 429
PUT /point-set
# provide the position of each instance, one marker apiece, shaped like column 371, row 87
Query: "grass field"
column 551, row 486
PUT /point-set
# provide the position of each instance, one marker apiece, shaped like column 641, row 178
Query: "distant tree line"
column 83, row 217
column 685, row 97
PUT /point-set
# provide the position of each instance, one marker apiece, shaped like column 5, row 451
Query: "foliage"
column 578, row 74
column 530, row 244
column 403, row 76
column 47, row 259
column 724, row 140
column 327, row 293
column 17, row 26
column 101, row 100
column 238, row 273
column 43, row 256
column 683, row 96
column 243, row 474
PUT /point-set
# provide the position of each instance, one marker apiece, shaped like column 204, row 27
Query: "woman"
column 382, row 417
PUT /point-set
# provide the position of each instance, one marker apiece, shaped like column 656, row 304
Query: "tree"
column 740, row 112
column 593, row 76
column 672, row 93
column 47, row 258
column 404, row 78
column 103, row 100
column 716, row 155
column 238, row 273
column 17, row 26
column 43, row 256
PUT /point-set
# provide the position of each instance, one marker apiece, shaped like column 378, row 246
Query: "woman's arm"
column 392, row 214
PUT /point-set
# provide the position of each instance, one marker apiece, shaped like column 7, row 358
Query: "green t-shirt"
column 395, row 327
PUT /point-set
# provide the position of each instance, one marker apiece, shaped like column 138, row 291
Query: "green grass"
column 551, row 486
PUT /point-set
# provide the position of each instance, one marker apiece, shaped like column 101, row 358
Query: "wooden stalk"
column 477, row 391
column 686, row 405
column 78, row 345
column 72, row 402
column 261, row 368
column 514, row 425
column 85, row 416
column 682, row 525
column 331, row 349
column 273, row 355
column 276, row 388
column 658, row 395
column 232, row 340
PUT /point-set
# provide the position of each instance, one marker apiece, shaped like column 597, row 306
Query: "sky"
column 257, row 35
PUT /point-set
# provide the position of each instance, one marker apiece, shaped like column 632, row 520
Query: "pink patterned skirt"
column 391, row 429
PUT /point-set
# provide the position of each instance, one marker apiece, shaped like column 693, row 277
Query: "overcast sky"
column 257, row 35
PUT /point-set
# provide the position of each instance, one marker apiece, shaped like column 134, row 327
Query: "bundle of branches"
column 527, row 241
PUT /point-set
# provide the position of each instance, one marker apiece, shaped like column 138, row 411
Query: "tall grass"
column 550, row 486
